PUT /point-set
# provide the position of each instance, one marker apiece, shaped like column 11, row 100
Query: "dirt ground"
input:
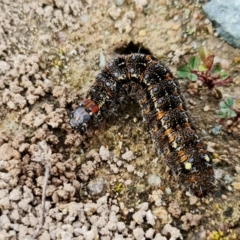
column 109, row 183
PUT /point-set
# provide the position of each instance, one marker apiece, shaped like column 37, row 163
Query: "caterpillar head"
column 82, row 115
column 80, row 119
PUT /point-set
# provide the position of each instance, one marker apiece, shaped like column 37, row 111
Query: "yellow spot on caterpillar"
column 207, row 158
column 188, row 165
column 121, row 77
column 171, row 134
column 174, row 144
column 164, row 124
column 134, row 75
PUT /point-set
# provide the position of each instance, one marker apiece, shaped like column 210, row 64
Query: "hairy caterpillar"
column 152, row 84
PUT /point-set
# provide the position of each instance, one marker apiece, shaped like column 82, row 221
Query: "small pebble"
column 119, row 2
column 119, row 163
column 216, row 129
column 97, row 187
column 193, row 200
column 237, row 168
column 121, row 226
column 150, row 218
column 149, row 233
column 128, row 156
column 138, row 233
column 154, row 180
column 176, row 17
column 84, row 17
column 104, row 153
column 142, row 33
column 218, row 173
column 236, row 185
column 15, row 195
column 224, row 197
column 229, row 122
column 102, row 60
column 206, row 21
column 4, row 66
column 168, row 190
column 206, row 108
column 227, row 179
column 130, row 168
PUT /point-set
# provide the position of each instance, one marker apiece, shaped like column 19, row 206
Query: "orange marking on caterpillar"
column 160, row 114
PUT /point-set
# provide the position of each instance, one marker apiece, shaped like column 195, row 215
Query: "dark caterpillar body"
column 163, row 109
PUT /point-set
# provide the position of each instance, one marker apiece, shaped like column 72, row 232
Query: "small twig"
column 43, row 155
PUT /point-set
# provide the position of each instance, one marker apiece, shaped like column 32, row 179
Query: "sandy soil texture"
column 109, row 183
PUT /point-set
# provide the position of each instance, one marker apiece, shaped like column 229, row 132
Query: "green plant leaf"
column 224, row 110
column 229, row 101
column 232, row 113
column 217, row 68
column 223, row 105
column 229, row 114
column 193, row 63
column 224, row 75
column 183, row 71
column 192, row 76
column 202, row 68
column 222, row 114
column 226, row 105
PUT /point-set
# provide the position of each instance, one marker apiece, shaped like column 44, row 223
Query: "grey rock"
column 119, row 2
column 97, row 187
column 225, row 15
column 4, row 66
column 154, row 180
